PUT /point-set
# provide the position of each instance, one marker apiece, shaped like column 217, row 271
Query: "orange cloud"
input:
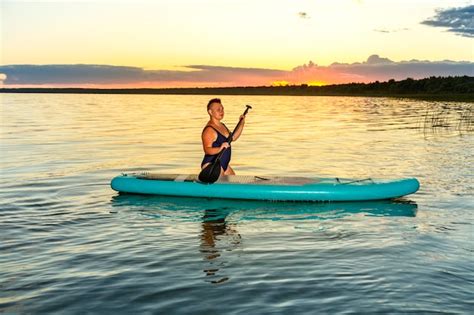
column 106, row 76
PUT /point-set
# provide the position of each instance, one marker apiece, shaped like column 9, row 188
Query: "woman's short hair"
column 214, row 100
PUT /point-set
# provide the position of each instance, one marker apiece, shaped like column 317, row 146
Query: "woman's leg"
column 222, row 170
column 229, row 171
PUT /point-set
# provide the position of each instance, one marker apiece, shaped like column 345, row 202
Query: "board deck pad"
column 231, row 179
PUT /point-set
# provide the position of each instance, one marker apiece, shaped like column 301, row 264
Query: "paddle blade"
column 210, row 173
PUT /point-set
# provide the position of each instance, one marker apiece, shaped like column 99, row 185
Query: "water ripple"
column 69, row 244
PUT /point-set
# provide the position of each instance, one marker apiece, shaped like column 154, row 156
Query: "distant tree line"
column 461, row 87
column 431, row 85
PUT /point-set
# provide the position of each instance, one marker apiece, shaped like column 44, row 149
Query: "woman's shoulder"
column 216, row 129
column 208, row 128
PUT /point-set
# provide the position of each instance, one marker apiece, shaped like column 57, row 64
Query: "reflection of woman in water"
column 214, row 228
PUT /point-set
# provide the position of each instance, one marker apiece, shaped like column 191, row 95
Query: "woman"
column 214, row 137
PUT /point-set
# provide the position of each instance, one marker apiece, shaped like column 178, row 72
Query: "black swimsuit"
column 225, row 158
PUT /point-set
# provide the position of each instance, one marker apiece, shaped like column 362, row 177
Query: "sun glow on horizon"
column 311, row 83
column 317, row 83
column 280, row 83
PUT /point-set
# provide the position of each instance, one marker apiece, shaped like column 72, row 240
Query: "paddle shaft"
column 229, row 139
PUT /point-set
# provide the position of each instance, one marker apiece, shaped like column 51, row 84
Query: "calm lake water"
column 71, row 245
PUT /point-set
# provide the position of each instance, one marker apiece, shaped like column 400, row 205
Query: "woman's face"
column 217, row 111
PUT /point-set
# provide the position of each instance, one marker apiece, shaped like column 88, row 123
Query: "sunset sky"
column 177, row 43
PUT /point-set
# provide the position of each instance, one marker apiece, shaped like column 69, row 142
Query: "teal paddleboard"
column 272, row 188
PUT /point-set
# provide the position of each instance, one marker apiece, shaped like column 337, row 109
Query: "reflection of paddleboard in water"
column 184, row 208
column 219, row 219
column 266, row 188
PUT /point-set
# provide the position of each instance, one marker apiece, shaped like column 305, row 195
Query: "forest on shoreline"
column 459, row 88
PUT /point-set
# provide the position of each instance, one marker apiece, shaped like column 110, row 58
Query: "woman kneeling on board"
column 215, row 135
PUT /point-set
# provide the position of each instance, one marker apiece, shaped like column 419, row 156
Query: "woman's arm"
column 238, row 132
column 208, row 137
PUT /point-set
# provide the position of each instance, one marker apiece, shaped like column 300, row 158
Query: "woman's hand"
column 224, row 145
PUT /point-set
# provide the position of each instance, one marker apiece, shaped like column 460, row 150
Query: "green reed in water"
column 448, row 117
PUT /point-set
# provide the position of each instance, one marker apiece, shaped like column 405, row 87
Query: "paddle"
column 212, row 172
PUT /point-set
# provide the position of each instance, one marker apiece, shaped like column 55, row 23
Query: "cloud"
column 303, row 15
column 382, row 30
column 376, row 60
column 456, row 20
column 90, row 75
column 381, row 69
column 374, row 68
